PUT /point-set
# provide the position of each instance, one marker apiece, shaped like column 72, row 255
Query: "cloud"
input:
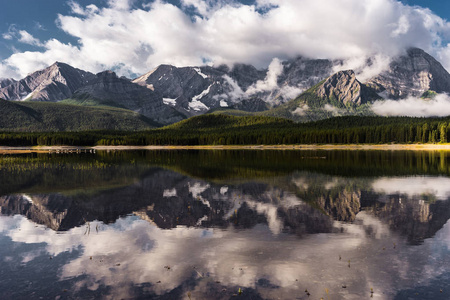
column 200, row 6
column 414, row 107
column 366, row 66
column 414, row 186
column 235, row 90
column 11, row 33
column 7, row 36
column 132, row 252
column 22, row 36
column 301, row 110
column 39, row 26
column 270, row 82
column 334, row 110
column 135, row 40
column 76, row 8
column 288, row 92
column 27, row 38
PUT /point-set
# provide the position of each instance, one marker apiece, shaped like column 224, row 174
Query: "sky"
column 132, row 37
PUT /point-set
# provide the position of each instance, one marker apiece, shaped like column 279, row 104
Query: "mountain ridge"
column 57, row 82
column 300, row 89
column 109, row 89
column 47, row 116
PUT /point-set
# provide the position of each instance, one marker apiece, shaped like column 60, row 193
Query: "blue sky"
column 439, row 7
column 133, row 36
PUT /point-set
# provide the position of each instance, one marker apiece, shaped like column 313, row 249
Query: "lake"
column 225, row 224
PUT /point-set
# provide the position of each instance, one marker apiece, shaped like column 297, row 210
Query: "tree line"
column 244, row 131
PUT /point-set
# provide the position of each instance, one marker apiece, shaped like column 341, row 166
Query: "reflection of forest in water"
column 290, row 191
column 208, row 224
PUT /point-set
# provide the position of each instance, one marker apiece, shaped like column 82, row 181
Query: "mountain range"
column 300, row 89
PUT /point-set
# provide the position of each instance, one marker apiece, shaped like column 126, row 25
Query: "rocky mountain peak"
column 147, row 77
column 59, row 65
column 107, row 88
column 344, row 88
column 412, row 74
column 107, row 74
column 56, row 82
column 4, row 82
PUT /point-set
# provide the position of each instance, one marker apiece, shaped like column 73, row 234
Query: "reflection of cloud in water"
column 331, row 184
column 301, row 183
column 414, row 186
column 270, row 210
column 240, row 258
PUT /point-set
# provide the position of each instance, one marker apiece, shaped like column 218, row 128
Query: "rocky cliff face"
column 344, row 206
column 52, row 210
column 305, row 73
column 112, row 90
column 344, row 88
column 196, row 90
column 413, row 217
column 180, row 200
column 168, row 94
column 253, row 104
column 412, row 74
column 175, row 200
column 57, row 82
column 4, row 82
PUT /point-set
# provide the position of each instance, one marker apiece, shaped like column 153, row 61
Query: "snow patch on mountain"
column 202, row 94
column 200, row 73
column 170, row 101
column 196, row 104
column 28, row 96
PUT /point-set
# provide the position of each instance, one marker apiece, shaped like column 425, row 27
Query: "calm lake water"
column 225, row 225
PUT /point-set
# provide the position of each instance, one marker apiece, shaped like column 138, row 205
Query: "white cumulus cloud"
column 414, row 107
column 133, row 40
column 27, row 38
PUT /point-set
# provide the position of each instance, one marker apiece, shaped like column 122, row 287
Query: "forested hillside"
column 47, row 116
column 216, row 129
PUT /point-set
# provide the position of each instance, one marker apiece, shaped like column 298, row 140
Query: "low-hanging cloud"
column 134, row 40
column 414, row 186
column 366, row 66
column 270, row 82
column 439, row 106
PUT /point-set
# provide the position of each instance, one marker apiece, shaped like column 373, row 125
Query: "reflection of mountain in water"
column 413, row 217
column 54, row 210
column 301, row 203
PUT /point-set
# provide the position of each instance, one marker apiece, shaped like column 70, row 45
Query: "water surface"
column 225, row 224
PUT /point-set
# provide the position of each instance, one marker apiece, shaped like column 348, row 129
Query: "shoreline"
column 81, row 149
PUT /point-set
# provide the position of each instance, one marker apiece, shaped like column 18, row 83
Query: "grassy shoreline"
column 76, row 149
